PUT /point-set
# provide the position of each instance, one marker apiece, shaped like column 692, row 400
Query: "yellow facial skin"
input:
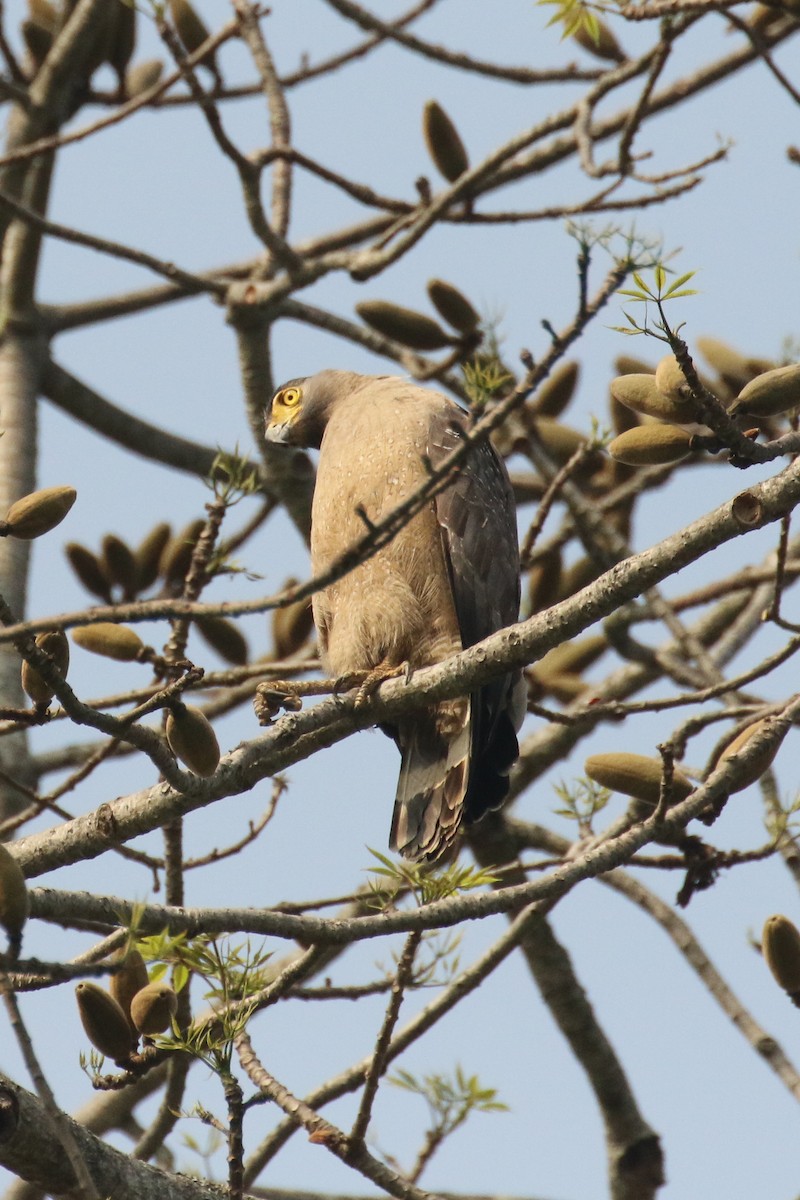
column 286, row 405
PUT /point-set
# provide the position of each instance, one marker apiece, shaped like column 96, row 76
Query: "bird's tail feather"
column 434, row 776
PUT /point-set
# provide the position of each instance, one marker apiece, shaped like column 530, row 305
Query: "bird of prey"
column 448, row 579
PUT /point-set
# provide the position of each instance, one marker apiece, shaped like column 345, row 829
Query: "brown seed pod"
column 56, row 647
column 651, row 445
column 128, row 980
column 564, row 686
column 763, row 760
column 193, row 31
column 225, row 637
column 89, row 570
column 544, row 581
column 732, row 367
column 404, row 325
column 560, row 441
column 39, row 512
column 119, row 563
column 557, row 390
column 601, row 42
column 148, row 555
column 104, row 1022
column 112, row 641
column 780, row 945
column 14, row 900
column 291, row 625
column 142, row 76
column 670, row 379
column 444, row 144
column 626, row 364
column 37, row 40
column 635, row 775
column 153, row 1008
column 574, row 656
column 643, row 394
column 453, row 305
column 770, row 394
column 192, row 739
column 177, row 554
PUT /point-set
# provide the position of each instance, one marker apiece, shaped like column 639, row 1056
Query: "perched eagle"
column 447, row 580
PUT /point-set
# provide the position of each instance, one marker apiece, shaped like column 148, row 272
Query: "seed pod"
column 177, row 554
column 643, row 395
column 121, row 37
column 56, row 647
column 128, row 980
column 89, row 570
column 148, row 555
column 557, row 390
column 119, row 564
column 291, row 626
column 192, row 739
column 104, row 1022
column 224, row 637
column 43, row 13
column 601, row 42
column 544, row 581
column 14, row 901
column 769, row 394
column 404, row 325
column 763, row 760
column 453, row 305
column 651, row 445
column 564, row 686
column 38, row 41
column 112, row 641
column 39, row 512
column 670, row 379
column 574, row 656
column 635, row 775
column 626, row 364
column 444, row 144
column 142, row 76
column 780, row 945
column 560, row 441
column 193, row 32
column 730, row 365
column 153, row 1008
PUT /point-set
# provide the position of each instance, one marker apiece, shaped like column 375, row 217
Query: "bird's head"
column 299, row 410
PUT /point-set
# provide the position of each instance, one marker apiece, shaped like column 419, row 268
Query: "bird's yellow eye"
column 289, row 397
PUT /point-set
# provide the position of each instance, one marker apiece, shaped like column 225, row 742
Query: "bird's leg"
column 376, row 677
column 273, row 695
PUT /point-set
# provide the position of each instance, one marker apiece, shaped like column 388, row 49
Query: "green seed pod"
column 404, row 325
column 444, row 144
column 574, row 656
column 732, row 367
column 142, row 76
column 14, row 901
column 193, row 31
column 291, row 626
column 670, row 379
column 651, row 445
column 119, row 564
column 780, row 945
column 635, row 775
column 39, row 512
column 557, row 390
column 153, row 1008
column 769, row 394
column 763, row 759
column 453, row 305
column 544, row 581
column 89, row 570
column 56, row 647
column 148, row 555
column 224, row 637
column 128, row 980
column 177, row 554
column 643, row 395
column 192, row 739
column 104, row 1022
column 112, row 641
column 601, row 42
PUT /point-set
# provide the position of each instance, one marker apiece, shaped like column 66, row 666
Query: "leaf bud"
column 111, row 641
column 56, row 647
column 192, row 739
column 404, row 325
column 444, row 144
column 39, row 512
column 104, row 1022
column 153, row 1008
